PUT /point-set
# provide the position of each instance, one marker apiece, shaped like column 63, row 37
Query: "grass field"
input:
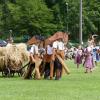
column 76, row 86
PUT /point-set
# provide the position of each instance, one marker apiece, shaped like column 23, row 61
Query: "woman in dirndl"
column 88, row 60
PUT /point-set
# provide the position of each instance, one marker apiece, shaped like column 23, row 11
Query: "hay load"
column 3, row 51
column 22, row 49
column 13, row 57
column 18, row 51
column 19, row 57
column 3, row 57
column 15, row 60
column 2, row 63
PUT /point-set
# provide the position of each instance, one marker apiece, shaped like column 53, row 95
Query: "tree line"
column 44, row 17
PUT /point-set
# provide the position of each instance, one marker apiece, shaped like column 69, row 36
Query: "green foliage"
column 31, row 17
column 48, row 16
column 91, row 14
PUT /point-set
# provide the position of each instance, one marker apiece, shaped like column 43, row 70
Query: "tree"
column 30, row 16
column 48, row 16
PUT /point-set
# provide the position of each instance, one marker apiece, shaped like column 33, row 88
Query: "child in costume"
column 78, row 56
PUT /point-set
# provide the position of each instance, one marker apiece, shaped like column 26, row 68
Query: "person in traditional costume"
column 95, row 54
column 88, row 60
column 35, row 62
column 99, row 53
column 78, row 56
column 92, row 43
column 33, row 52
column 49, row 60
column 59, row 50
column 91, row 40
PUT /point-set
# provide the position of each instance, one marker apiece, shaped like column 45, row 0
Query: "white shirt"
column 34, row 49
column 79, row 52
column 55, row 44
column 60, row 46
column 75, row 52
column 49, row 50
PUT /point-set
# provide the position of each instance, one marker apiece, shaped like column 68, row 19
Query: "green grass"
column 76, row 86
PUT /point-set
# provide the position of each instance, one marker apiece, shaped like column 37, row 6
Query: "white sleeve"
column 32, row 50
column 36, row 50
column 55, row 44
column 63, row 46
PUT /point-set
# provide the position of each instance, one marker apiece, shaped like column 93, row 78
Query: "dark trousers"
column 58, row 68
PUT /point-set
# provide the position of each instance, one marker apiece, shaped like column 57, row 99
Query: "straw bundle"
column 19, row 50
column 3, row 57
column 22, row 49
column 15, row 61
column 21, row 46
column 10, row 49
column 13, row 56
column 2, row 62
column 2, row 51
